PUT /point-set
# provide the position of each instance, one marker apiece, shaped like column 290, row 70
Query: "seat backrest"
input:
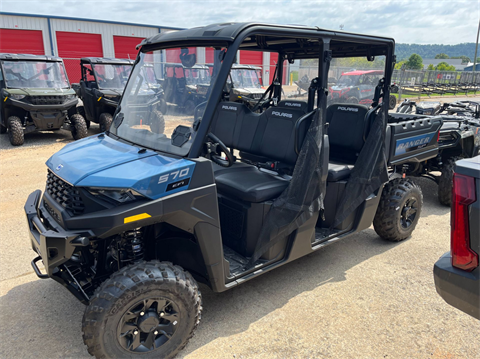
column 269, row 135
column 347, row 130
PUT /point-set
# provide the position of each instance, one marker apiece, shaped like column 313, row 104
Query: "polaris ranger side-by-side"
column 133, row 218
column 36, row 96
column 459, row 138
column 101, row 87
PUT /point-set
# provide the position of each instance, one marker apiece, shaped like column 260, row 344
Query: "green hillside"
column 403, row 51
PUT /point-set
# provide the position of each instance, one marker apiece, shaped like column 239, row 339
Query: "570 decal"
column 174, row 175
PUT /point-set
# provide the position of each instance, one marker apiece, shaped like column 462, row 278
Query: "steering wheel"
column 213, row 153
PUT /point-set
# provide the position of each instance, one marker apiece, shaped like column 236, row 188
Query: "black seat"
column 338, row 172
column 269, row 135
column 248, row 183
column 348, row 128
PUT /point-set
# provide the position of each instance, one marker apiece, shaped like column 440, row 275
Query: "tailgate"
column 413, row 140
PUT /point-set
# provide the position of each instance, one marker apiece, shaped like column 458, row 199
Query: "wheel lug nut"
column 155, row 332
column 142, row 313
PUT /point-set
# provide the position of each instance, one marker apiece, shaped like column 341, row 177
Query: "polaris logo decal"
column 412, row 143
column 351, row 109
column 292, row 104
column 59, row 167
column 229, row 108
column 282, row 114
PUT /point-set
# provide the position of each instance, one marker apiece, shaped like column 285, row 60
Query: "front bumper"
column 458, row 288
column 51, row 242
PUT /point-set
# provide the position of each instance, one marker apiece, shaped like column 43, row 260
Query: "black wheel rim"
column 148, row 324
column 409, row 213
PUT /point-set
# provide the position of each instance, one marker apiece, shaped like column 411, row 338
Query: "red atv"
column 357, row 87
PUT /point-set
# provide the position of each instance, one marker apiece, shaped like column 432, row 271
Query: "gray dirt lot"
column 358, row 298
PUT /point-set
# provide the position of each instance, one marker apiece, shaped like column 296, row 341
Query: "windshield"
column 197, row 76
column 34, row 74
column 153, row 112
column 348, row 80
column 112, row 76
column 243, row 78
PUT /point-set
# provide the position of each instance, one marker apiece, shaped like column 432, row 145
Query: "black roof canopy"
column 106, row 61
column 299, row 41
column 29, row 57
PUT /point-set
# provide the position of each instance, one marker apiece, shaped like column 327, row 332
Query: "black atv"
column 36, row 96
column 101, row 88
column 131, row 231
column 186, row 87
column 459, row 137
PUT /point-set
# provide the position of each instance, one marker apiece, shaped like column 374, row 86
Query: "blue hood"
column 100, row 161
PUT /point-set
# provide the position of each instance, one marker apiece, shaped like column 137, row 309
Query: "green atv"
column 36, row 96
column 101, row 88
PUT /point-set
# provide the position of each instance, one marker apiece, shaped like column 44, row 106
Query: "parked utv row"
column 131, row 219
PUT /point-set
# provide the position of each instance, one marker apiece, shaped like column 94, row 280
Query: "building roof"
column 452, row 62
column 91, row 20
column 470, row 68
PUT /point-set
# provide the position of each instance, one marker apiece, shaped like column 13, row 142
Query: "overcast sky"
column 408, row 21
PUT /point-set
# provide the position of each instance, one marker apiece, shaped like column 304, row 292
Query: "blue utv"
column 131, row 219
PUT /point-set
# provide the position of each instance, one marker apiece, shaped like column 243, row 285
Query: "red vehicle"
column 355, row 87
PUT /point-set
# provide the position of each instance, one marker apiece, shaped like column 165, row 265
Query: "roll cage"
column 290, row 42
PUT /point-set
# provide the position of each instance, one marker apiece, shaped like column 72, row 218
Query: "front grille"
column 65, row 195
column 47, row 100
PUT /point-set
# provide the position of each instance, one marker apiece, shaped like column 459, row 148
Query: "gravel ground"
column 358, row 298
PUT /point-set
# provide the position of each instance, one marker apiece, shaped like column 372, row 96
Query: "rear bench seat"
column 269, row 135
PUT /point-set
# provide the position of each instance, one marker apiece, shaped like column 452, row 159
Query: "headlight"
column 70, row 97
column 18, row 97
column 121, row 195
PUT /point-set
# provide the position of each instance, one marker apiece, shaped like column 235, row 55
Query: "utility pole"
column 476, row 48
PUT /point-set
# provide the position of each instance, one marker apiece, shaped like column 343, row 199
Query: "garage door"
column 125, row 46
column 251, row 58
column 72, row 46
column 21, row 41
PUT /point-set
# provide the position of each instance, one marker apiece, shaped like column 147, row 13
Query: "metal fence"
column 410, row 82
column 417, row 82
